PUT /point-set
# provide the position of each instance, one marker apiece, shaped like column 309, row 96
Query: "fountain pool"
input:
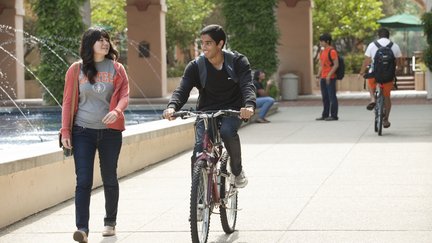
column 15, row 129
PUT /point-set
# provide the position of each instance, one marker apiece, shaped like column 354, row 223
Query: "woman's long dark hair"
column 88, row 40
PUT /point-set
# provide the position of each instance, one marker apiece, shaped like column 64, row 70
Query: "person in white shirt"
column 383, row 40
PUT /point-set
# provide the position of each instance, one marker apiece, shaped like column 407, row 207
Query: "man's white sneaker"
column 241, row 180
column 108, row 231
column 80, row 236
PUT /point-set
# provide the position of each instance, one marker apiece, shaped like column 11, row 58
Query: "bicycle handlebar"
column 205, row 114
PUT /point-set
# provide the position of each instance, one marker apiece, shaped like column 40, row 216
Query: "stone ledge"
column 42, row 175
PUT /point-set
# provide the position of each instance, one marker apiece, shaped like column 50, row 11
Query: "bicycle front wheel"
column 199, row 204
column 228, row 194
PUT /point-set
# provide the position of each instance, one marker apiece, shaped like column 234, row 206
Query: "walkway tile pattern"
column 309, row 181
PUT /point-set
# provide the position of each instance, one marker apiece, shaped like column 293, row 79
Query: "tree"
column 392, row 7
column 184, row 20
column 349, row 20
column 252, row 31
column 59, row 26
column 109, row 14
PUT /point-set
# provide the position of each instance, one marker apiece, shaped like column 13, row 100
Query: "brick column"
column 294, row 19
column 146, row 65
column 11, row 39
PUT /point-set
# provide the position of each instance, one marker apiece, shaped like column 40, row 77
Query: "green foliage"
column 175, row 71
column 346, row 18
column 184, row 20
column 109, row 14
column 251, row 27
column 273, row 90
column 353, row 62
column 392, row 7
column 59, row 26
column 351, row 24
column 427, row 26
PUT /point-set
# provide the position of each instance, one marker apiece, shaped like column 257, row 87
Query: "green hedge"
column 252, row 31
column 59, row 26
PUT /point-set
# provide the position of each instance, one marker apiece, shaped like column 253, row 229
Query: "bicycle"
column 379, row 108
column 212, row 179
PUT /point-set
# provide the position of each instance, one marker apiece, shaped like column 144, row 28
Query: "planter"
column 419, row 80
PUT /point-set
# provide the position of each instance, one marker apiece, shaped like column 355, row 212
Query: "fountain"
column 22, row 125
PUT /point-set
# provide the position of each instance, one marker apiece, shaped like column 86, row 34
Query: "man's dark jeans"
column 108, row 143
column 329, row 99
column 230, row 137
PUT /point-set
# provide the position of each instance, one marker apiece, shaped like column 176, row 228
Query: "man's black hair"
column 326, row 37
column 215, row 32
column 383, row 33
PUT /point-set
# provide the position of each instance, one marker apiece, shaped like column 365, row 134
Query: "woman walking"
column 97, row 88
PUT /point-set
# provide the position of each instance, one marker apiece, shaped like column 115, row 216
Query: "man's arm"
column 245, row 81
column 181, row 94
column 335, row 64
column 366, row 62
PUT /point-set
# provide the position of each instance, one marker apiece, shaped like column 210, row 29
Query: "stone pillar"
column 294, row 19
column 146, row 48
column 12, row 48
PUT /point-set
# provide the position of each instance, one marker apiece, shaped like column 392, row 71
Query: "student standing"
column 327, row 79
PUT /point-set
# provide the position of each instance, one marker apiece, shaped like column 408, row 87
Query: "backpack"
column 228, row 63
column 340, row 71
column 384, row 63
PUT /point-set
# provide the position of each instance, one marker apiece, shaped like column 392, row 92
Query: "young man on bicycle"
column 224, row 86
column 383, row 40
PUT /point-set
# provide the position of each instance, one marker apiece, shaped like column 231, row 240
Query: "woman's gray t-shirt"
column 94, row 99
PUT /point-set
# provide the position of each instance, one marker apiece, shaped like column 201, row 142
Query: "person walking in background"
column 263, row 101
column 327, row 79
column 383, row 41
column 97, row 87
column 222, row 91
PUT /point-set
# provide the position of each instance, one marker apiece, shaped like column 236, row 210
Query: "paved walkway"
column 309, row 181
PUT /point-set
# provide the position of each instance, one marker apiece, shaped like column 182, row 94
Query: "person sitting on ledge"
column 263, row 101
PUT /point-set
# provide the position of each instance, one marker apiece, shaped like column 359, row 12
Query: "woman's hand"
column 66, row 143
column 111, row 117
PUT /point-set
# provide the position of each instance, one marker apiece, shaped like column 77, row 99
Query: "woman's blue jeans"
column 108, row 143
column 329, row 99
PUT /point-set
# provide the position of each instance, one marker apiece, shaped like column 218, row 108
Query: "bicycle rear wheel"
column 379, row 114
column 199, row 204
column 228, row 194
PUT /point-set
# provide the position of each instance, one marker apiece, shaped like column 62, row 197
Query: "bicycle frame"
column 212, row 153
column 212, row 183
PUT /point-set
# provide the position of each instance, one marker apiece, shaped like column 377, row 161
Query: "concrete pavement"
column 309, row 181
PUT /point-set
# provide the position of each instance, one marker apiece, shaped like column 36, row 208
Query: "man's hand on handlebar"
column 246, row 112
column 167, row 114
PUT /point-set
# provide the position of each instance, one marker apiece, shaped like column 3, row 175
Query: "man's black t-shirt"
column 221, row 92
